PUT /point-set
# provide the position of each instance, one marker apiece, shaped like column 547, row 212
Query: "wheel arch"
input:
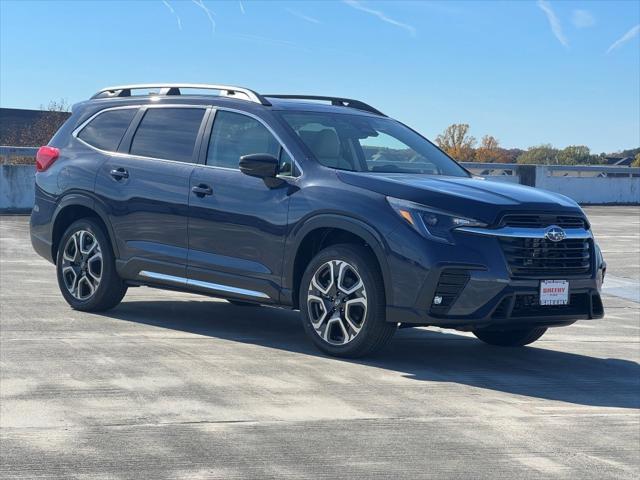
column 74, row 207
column 324, row 230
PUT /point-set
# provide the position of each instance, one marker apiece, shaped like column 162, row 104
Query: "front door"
column 237, row 223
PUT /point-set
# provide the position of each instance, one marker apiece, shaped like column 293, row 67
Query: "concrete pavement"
column 172, row 385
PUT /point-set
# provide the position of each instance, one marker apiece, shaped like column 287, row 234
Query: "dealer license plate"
column 554, row 292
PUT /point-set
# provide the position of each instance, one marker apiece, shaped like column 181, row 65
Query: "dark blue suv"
column 320, row 204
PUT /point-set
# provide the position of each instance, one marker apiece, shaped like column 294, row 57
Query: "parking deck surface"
column 171, row 385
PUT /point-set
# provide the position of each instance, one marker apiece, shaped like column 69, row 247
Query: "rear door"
column 145, row 187
column 237, row 223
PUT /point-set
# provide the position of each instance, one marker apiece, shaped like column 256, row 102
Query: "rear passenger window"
column 107, row 129
column 168, row 133
column 235, row 135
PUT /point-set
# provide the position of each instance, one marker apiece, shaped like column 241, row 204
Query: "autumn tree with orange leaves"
column 457, row 142
column 489, row 151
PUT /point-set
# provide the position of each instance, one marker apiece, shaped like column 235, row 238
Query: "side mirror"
column 261, row 165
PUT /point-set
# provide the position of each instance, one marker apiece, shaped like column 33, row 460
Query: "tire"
column 510, row 338
column 360, row 328
column 85, row 266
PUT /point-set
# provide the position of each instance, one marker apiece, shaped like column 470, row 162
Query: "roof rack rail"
column 176, row 89
column 339, row 101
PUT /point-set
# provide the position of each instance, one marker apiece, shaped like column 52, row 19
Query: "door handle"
column 202, row 190
column 119, row 173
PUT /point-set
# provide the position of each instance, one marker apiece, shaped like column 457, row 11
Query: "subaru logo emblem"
column 555, row 234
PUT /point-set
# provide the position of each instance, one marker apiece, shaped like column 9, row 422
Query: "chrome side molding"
column 187, row 282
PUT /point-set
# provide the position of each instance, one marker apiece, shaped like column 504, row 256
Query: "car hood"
column 473, row 197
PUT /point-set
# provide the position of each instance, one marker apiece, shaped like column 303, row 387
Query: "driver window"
column 235, row 135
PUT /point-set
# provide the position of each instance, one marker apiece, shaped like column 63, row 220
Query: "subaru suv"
column 319, row 204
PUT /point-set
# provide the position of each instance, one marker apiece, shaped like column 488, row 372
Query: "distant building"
column 619, row 161
column 29, row 128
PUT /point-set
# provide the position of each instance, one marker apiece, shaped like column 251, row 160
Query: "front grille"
column 542, row 221
column 502, row 310
column 538, row 257
column 451, row 283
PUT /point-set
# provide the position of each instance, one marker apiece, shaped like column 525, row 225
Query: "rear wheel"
column 86, row 269
column 343, row 304
column 510, row 338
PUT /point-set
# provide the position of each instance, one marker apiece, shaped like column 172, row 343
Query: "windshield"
column 361, row 143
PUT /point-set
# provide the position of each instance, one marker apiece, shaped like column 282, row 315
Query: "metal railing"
column 552, row 170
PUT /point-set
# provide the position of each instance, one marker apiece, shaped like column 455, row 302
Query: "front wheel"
column 86, row 269
column 342, row 302
column 510, row 338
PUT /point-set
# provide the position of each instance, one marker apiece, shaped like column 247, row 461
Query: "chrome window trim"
column 517, row 232
column 78, row 129
column 214, row 108
column 186, row 282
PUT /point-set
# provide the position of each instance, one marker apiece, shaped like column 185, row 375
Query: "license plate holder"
column 554, row 292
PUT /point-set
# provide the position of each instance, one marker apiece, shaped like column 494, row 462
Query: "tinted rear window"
column 168, row 133
column 107, row 129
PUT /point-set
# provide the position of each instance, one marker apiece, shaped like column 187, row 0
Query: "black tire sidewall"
column 362, row 261
column 110, row 279
column 511, row 338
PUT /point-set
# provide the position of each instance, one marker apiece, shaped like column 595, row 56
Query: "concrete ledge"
column 17, row 188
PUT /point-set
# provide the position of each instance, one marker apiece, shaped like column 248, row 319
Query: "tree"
column 512, row 154
column 490, row 151
column 576, row 155
column 541, row 155
column 57, row 106
column 457, row 142
column 47, row 123
column 636, row 161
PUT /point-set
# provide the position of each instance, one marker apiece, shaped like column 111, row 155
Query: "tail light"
column 45, row 157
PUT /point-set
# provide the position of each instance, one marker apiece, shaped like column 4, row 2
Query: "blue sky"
column 527, row 72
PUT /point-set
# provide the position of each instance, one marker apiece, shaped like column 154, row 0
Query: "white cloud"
column 554, row 23
column 209, row 13
column 582, row 19
column 381, row 15
column 173, row 12
column 625, row 38
column 303, row 16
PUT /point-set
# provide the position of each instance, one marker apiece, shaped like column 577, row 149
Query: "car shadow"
column 419, row 354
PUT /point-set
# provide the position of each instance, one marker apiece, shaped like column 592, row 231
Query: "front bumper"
column 483, row 293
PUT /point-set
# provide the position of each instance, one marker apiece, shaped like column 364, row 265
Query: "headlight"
column 432, row 223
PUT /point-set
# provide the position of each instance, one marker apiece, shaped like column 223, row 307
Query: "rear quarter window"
column 106, row 130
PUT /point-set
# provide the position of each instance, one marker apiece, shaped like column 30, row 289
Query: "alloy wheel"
column 337, row 302
column 82, row 265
